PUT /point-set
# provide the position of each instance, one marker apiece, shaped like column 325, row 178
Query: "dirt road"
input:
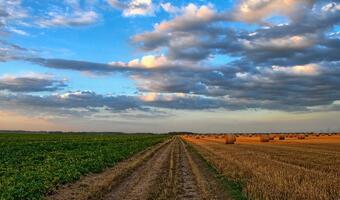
column 168, row 171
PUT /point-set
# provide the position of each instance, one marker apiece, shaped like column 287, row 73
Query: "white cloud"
column 289, row 42
column 116, row 4
column 331, row 7
column 134, row 7
column 309, row 69
column 139, row 7
column 155, row 96
column 148, row 61
column 78, row 18
column 190, row 15
column 168, row 7
column 12, row 12
column 258, row 10
column 18, row 31
column 27, row 75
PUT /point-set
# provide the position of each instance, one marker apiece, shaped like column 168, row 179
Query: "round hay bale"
column 230, row 139
column 282, row 137
column 301, row 137
column 271, row 137
column 197, row 137
column 264, row 138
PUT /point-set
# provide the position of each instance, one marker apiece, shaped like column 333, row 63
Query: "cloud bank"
column 292, row 66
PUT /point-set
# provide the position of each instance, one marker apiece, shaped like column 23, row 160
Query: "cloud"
column 18, row 31
column 134, row 7
column 87, row 103
column 78, row 18
column 31, row 82
column 331, row 7
column 153, row 96
column 181, row 33
column 148, row 61
column 259, row 10
column 309, row 69
column 278, row 87
column 196, row 37
column 290, row 67
column 12, row 12
column 10, row 51
column 145, row 64
column 168, row 7
column 282, row 43
column 79, row 103
column 15, row 17
column 192, row 17
column 289, row 88
column 77, row 65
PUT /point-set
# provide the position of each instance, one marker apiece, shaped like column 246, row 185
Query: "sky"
column 170, row 65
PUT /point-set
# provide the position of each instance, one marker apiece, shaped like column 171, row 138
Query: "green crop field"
column 32, row 165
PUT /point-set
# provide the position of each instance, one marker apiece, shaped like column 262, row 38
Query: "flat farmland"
column 293, row 168
column 33, row 165
column 115, row 167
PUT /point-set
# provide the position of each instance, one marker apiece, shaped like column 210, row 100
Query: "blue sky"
column 143, row 65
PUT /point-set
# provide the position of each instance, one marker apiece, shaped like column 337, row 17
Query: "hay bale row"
column 301, row 137
column 230, row 139
column 282, row 137
column 264, row 138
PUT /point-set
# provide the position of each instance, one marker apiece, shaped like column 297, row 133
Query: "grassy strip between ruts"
column 32, row 165
column 233, row 188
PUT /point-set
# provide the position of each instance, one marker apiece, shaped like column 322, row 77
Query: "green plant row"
column 32, row 165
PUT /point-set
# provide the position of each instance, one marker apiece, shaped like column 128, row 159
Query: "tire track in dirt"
column 186, row 184
column 142, row 181
column 171, row 171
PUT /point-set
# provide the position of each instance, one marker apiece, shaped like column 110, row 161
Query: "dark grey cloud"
column 278, row 87
column 282, row 88
column 66, row 103
column 72, row 65
column 31, row 84
column 89, row 103
column 188, row 37
column 78, row 65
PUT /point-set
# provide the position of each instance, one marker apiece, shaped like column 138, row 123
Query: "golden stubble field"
column 292, row 168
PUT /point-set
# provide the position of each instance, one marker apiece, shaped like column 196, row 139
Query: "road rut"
column 174, row 172
column 168, row 171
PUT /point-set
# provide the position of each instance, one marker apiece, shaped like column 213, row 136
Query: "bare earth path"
column 167, row 171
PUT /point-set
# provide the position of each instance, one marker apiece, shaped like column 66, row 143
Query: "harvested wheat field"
column 293, row 168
